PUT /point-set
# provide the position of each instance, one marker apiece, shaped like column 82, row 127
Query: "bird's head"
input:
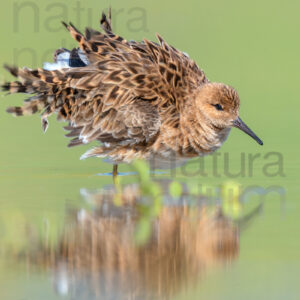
column 219, row 104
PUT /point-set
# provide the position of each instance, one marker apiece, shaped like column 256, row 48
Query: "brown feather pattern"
column 136, row 98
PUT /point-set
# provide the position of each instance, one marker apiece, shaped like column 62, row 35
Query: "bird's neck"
column 199, row 135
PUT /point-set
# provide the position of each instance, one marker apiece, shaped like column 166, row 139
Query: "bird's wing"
column 93, row 103
column 161, row 70
column 116, row 96
column 133, row 123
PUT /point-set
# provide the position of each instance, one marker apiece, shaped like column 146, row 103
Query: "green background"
column 251, row 45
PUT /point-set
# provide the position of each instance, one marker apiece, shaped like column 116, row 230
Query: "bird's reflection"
column 97, row 257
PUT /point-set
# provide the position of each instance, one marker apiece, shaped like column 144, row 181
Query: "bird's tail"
column 28, row 84
column 46, row 89
column 29, row 108
column 50, row 89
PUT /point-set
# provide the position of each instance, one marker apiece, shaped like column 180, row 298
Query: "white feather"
column 62, row 62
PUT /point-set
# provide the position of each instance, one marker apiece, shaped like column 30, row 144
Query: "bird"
column 139, row 100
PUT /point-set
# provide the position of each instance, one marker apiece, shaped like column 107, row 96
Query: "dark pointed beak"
column 238, row 123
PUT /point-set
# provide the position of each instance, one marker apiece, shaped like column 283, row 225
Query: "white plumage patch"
column 62, row 62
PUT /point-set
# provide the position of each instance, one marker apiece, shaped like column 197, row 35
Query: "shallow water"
column 60, row 238
column 226, row 227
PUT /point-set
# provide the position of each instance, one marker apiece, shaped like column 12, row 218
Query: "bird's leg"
column 115, row 173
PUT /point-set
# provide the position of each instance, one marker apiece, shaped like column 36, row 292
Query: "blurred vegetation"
column 152, row 193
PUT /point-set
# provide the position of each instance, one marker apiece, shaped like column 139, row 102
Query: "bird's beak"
column 238, row 123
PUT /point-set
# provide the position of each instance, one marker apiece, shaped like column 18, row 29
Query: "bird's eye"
column 218, row 106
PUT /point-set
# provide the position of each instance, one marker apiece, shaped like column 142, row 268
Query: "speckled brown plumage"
column 139, row 99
